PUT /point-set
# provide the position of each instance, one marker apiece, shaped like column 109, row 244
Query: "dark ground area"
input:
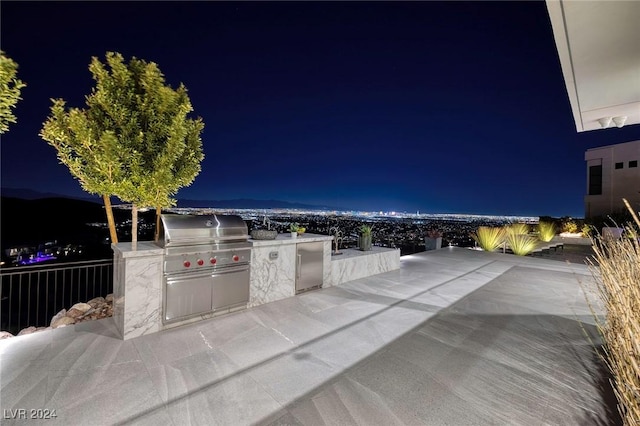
column 573, row 253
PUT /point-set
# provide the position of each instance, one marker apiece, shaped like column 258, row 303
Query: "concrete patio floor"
column 454, row 337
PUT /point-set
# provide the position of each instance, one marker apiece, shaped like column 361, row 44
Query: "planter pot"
column 432, row 243
column 364, row 242
column 294, row 235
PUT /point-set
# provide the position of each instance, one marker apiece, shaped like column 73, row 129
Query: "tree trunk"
column 110, row 221
column 158, row 212
column 134, row 227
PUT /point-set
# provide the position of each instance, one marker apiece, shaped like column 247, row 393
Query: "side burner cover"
column 202, row 229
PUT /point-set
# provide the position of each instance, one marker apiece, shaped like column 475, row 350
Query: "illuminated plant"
column 489, row 238
column 546, row 231
column 570, row 227
column 587, row 231
column 521, row 244
column 133, row 140
column 10, row 88
column 517, row 228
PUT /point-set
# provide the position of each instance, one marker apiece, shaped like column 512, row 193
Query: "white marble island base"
column 273, row 266
column 353, row 263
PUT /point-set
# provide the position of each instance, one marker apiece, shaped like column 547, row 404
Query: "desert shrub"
column 618, row 278
column 570, row 226
column 517, row 228
column 546, row 231
column 521, row 244
column 587, row 231
column 489, row 238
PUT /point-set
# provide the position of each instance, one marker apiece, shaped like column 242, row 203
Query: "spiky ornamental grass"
column 517, row 228
column 489, row 238
column 521, row 244
column 546, row 231
column 618, row 279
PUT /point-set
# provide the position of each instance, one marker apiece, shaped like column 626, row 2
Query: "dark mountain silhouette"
column 32, row 222
column 30, row 194
column 242, row 203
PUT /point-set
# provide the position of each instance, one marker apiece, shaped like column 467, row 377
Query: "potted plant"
column 433, row 240
column 293, row 228
column 365, row 237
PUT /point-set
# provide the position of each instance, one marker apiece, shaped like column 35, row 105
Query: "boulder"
column 82, row 307
column 57, row 316
column 109, row 298
column 61, row 322
column 96, row 301
column 74, row 313
column 5, row 335
column 27, row 330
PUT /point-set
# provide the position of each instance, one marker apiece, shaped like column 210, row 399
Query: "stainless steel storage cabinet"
column 309, row 260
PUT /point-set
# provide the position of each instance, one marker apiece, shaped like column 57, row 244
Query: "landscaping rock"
column 82, row 307
column 5, row 335
column 57, row 316
column 27, row 330
column 109, row 298
column 64, row 321
column 96, row 301
column 74, row 313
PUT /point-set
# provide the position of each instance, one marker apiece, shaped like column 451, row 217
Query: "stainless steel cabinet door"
column 309, row 265
column 231, row 288
column 186, row 296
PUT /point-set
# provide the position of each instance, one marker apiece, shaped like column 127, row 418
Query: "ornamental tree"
column 10, row 87
column 134, row 139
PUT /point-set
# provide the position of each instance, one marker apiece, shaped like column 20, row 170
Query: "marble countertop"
column 285, row 238
column 144, row 248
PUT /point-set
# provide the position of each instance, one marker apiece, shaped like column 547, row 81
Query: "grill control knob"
column 186, row 263
column 200, row 262
column 213, row 260
column 235, row 258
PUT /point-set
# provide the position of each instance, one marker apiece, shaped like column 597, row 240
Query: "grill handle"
column 299, row 266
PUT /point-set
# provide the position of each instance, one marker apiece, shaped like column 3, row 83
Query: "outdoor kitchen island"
column 275, row 267
column 138, row 280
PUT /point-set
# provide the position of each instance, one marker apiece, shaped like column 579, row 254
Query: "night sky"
column 448, row 107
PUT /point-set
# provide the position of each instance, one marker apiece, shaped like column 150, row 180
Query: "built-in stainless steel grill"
column 206, row 265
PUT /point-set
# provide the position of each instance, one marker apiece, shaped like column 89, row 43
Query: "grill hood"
column 181, row 230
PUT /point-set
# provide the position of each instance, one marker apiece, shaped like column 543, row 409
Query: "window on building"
column 619, row 165
column 633, row 163
column 595, row 180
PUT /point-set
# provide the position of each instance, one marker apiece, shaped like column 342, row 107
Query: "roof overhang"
column 598, row 44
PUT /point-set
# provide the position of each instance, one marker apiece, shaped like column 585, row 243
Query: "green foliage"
column 134, row 139
column 489, row 238
column 10, row 87
column 570, row 226
column 587, row 230
column 521, row 244
column 546, row 231
column 365, row 229
column 293, row 227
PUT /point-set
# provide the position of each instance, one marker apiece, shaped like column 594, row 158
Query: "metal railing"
column 31, row 295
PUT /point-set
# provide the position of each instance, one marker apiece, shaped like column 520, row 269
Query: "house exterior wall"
column 620, row 171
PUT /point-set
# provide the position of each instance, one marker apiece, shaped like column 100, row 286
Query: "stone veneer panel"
column 354, row 264
column 272, row 279
column 137, row 289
